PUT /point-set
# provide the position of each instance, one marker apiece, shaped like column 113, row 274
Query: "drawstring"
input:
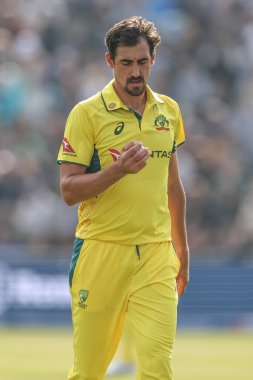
column 138, row 252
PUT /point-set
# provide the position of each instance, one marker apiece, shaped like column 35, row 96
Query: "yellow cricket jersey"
column 135, row 209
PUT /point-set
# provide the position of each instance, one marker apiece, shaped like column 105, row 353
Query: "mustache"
column 133, row 79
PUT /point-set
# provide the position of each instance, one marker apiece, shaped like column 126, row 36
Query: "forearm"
column 79, row 187
column 177, row 207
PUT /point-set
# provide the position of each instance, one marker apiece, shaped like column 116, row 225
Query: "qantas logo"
column 153, row 154
column 115, row 154
column 160, row 154
column 66, row 146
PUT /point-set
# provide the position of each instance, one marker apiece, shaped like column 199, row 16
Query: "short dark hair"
column 128, row 33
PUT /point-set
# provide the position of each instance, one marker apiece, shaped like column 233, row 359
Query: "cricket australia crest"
column 83, row 294
column 161, row 123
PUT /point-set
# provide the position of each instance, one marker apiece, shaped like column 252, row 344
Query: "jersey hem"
column 134, row 243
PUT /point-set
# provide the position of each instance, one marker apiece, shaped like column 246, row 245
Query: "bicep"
column 69, row 169
column 70, row 175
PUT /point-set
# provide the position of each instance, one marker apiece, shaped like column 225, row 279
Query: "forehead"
column 138, row 51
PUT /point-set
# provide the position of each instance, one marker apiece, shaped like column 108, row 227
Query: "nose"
column 135, row 71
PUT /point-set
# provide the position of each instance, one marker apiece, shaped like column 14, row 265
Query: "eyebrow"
column 125, row 60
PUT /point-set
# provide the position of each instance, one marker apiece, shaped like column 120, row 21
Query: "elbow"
column 176, row 188
column 67, row 194
column 68, row 199
column 177, row 193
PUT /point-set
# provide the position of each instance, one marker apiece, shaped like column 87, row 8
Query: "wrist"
column 117, row 170
column 182, row 251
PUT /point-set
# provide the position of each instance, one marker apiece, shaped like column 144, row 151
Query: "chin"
column 135, row 91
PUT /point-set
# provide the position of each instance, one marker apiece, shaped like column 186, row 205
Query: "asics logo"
column 119, row 128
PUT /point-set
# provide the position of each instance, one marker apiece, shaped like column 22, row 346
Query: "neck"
column 136, row 103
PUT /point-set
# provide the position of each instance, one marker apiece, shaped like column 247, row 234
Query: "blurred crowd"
column 52, row 56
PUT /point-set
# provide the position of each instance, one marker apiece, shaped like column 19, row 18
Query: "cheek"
column 119, row 72
column 146, row 72
column 120, row 76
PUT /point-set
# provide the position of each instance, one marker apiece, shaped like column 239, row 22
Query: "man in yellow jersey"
column 118, row 160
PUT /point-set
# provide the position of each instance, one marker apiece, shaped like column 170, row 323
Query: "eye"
column 143, row 61
column 125, row 63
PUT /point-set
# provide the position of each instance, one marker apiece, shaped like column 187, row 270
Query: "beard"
column 138, row 90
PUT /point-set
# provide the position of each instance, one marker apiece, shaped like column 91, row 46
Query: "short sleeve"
column 78, row 143
column 179, row 134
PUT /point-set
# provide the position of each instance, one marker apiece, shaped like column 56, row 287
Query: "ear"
column 153, row 58
column 109, row 60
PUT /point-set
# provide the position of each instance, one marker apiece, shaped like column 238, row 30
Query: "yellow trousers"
column 109, row 281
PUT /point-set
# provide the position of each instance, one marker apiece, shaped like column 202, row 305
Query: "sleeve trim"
column 181, row 143
column 71, row 162
column 176, row 146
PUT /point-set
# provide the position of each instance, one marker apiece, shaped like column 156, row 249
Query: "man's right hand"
column 133, row 157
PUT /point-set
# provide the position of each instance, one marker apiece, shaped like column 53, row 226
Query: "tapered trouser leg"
column 99, row 289
column 152, row 311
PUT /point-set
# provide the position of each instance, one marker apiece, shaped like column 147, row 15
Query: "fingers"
column 182, row 281
column 181, row 286
column 132, row 147
column 137, row 152
column 139, row 162
column 129, row 145
column 134, row 157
